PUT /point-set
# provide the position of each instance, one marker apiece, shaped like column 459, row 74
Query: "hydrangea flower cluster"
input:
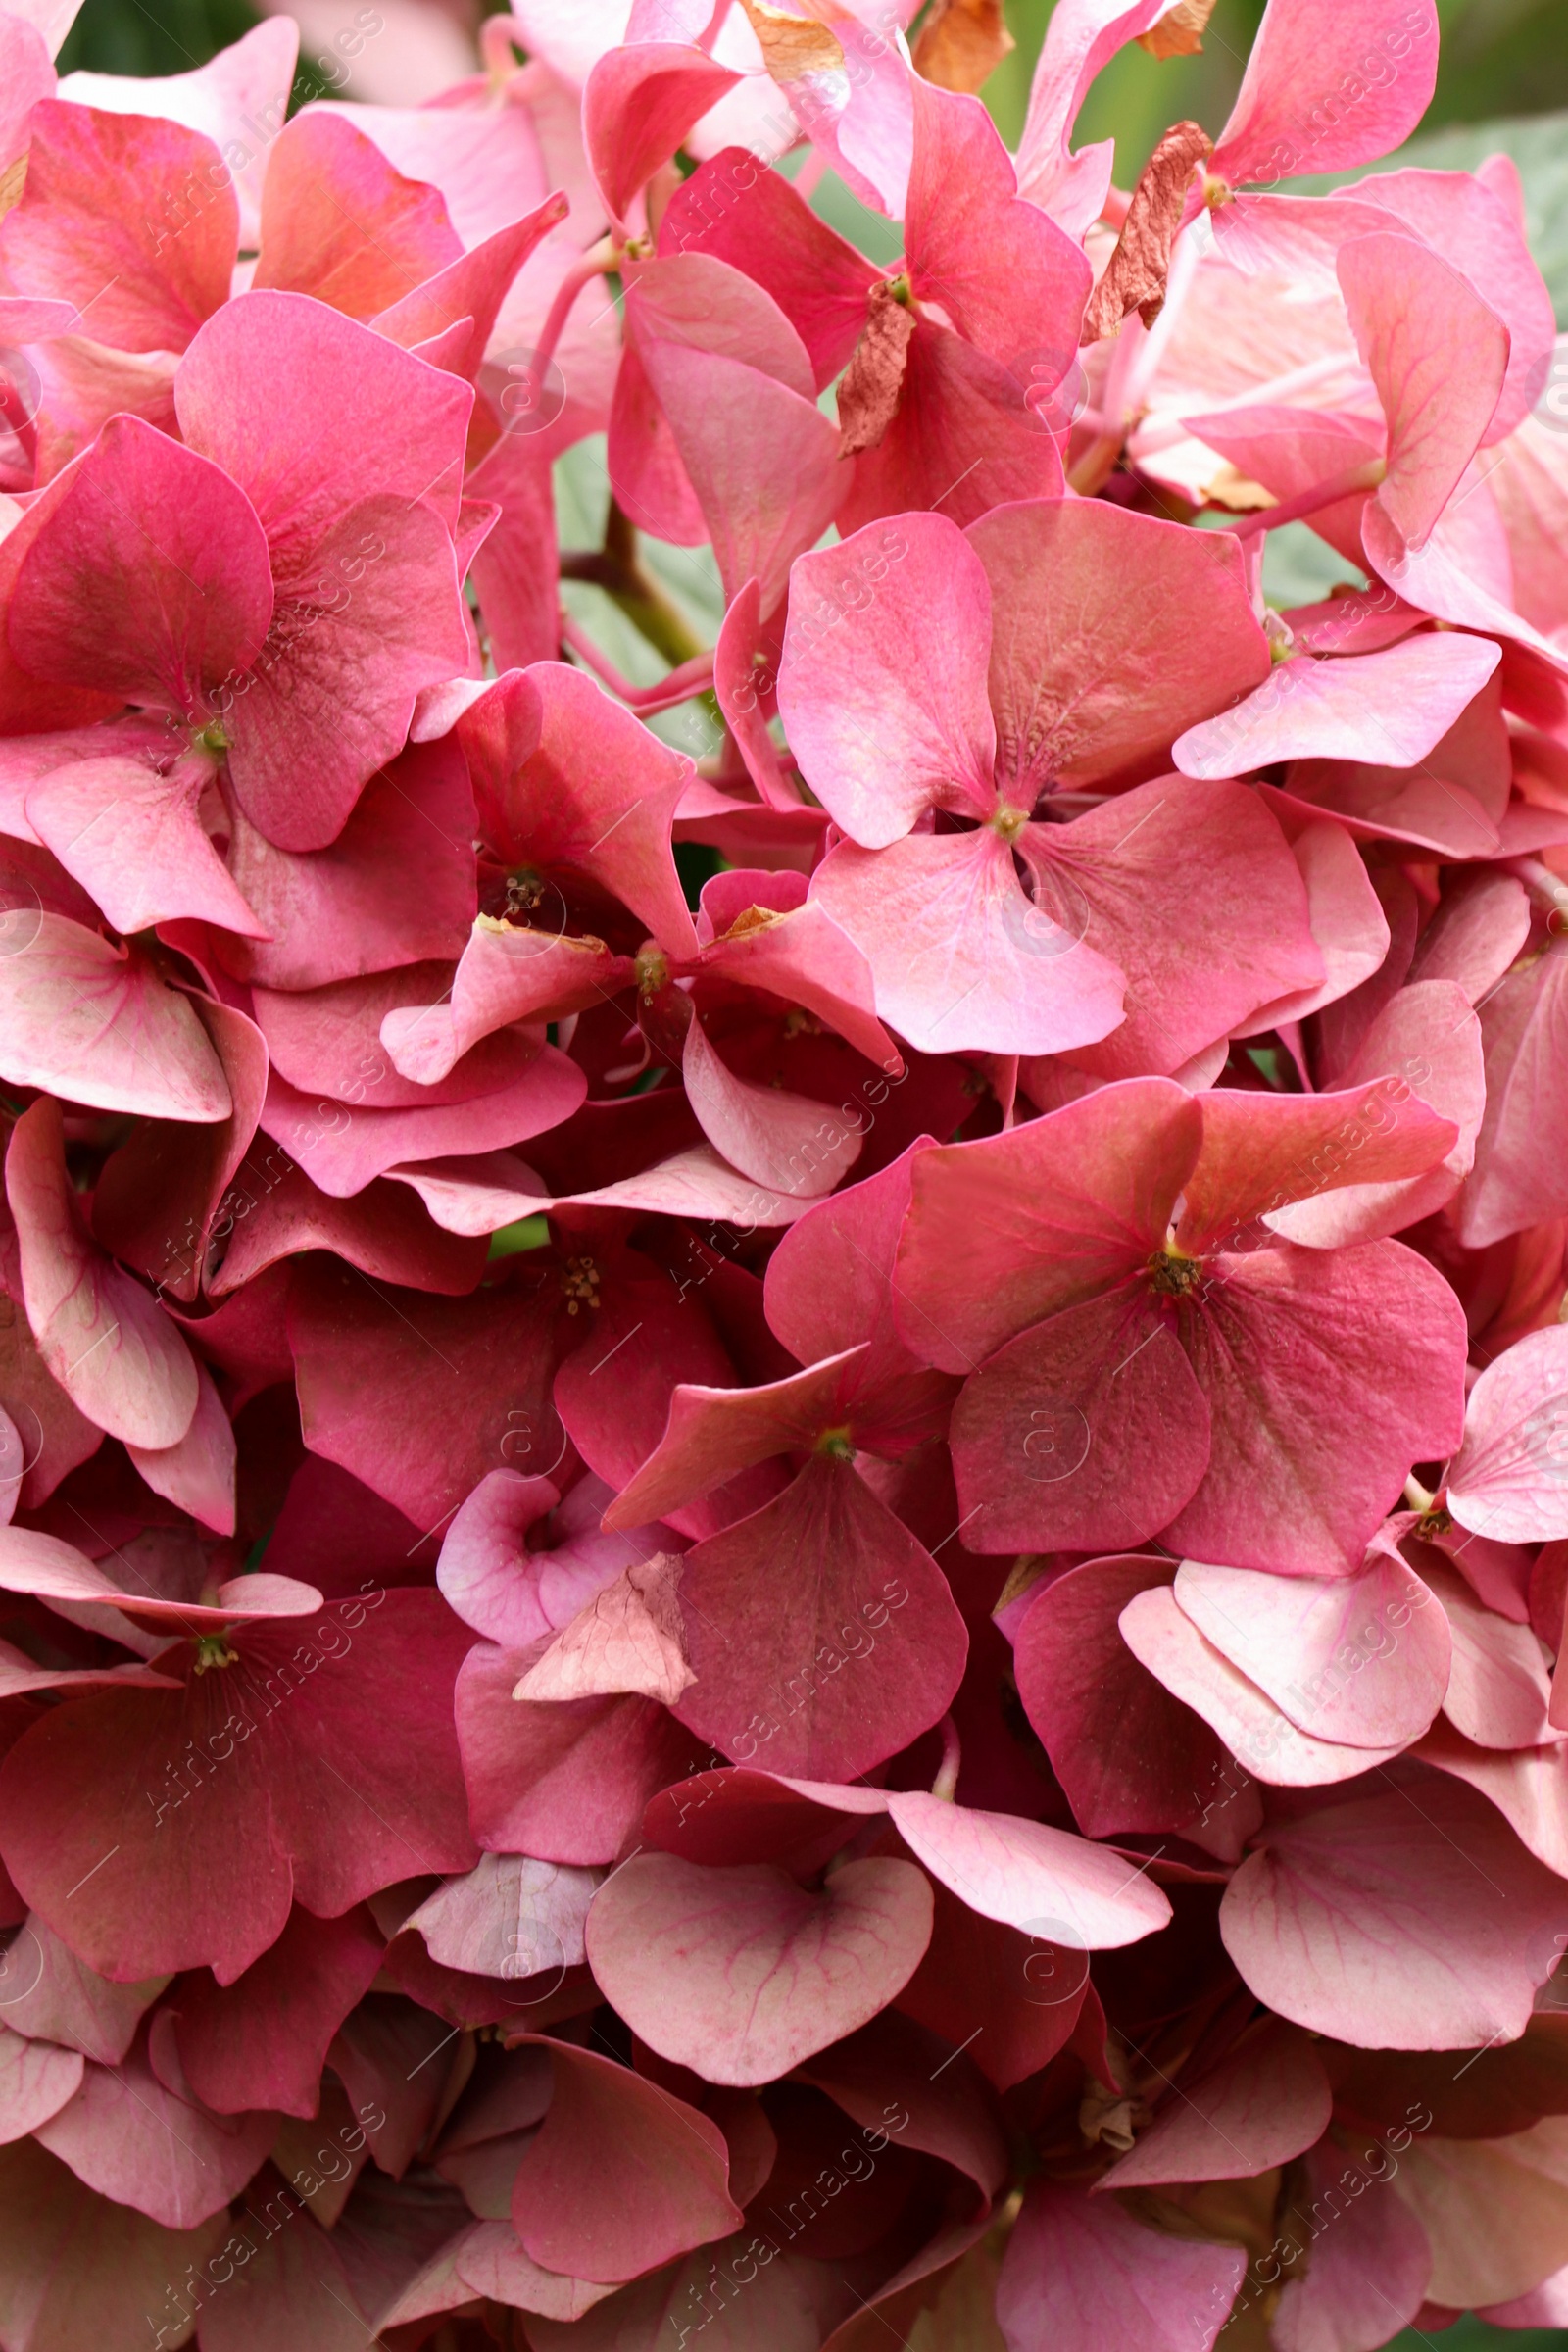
column 784, row 1452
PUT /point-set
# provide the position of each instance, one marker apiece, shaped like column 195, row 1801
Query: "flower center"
column 1172, row 1274
column 212, row 1650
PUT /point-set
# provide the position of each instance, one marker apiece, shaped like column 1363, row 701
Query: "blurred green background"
column 1500, row 58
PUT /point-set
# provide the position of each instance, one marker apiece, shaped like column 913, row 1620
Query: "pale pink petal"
column 1509, row 1479
column 740, row 1973
column 786, row 1143
column 104, row 1339
column 1362, row 1661
column 1029, row 1876
column 1400, row 702
column 629, row 1637
column 1403, row 1920
column 961, row 955
column 1078, row 2274
column 1257, row 1733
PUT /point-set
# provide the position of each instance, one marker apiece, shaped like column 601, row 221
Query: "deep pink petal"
column 1129, row 1756
column 1007, row 1231
column 622, row 2175
column 826, row 1607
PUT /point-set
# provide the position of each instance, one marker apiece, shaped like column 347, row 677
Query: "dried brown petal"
column 1135, row 276
column 1180, row 33
column 961, row 43
column 874, row 376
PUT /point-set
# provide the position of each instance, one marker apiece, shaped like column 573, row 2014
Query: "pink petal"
column 1046, row 1882
column 1294, row 1359
column 144, row 288
column 127, row 2136
column 1266, row 2100
column 395, row 887
column 511, row 1918
column 238, row 96
column 1499, row 1686
column 464, row 1382
column 158, row 1199
column 37, row 2079
column 1049, row 1214
column 1400, row 701
column 1257, row 1733
column 1261, row 1153
column 1406, row 1920
column 1323, row 90
column 566, row 777
column 1426, row 1036
column 198, row 1472
column 1128, row 1755
column 343, row 1149
column 1077, row 2273
column 472, row 288
column 781, row 1141
column 194, row 1854
column 96, row 1024
column 505, row 973
column 824, row 1606
column 622, row 2177
column 371, row 614
column 638, row 104
column 566, row 1780
column 400, row 436
column 104, row 1340
column 1527, row 1786
column 738, row 212
column 1346, row 920
column 381, row 1231
column 68, row 2003
column 740, row 1973
column 135, row 839
column 338, row 222
column 1362, row 1661
column 79, row 2265
column 961, row 955
column 1208, row 915
column 627, row 1638
column 1119, row 631
column 800, row 953
column 1414, row 315
column 965, row 437
column 148, row 576
column 1369, row 2273
column 899, row 600
column 1044, row 1430
column 261, row 2040
column 1005, row 275
column 1507, row 1479
column 714, row 1433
